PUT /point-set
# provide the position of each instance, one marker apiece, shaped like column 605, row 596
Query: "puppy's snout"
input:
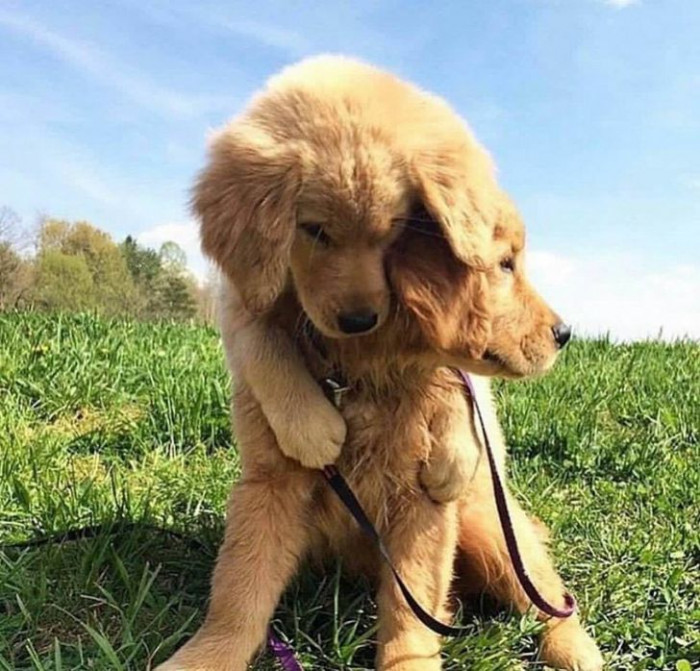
column 562, row 334
column 359, row 321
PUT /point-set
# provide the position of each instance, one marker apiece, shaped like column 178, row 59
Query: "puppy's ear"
column 441, row 294
column 245, row 200
column 456, row 187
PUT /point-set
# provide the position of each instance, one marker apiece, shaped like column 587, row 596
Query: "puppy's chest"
column 385, row 447
column 387, row 439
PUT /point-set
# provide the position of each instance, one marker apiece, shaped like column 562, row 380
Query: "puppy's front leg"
column 451, row 464
column 422, row 546
column 307, row 427
column 266, row 536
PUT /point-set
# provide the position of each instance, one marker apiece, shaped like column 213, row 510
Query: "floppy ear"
column 245, row 200
column 443, row 295
column 455, row 185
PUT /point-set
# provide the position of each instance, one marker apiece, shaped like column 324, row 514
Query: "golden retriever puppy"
column 348, row 198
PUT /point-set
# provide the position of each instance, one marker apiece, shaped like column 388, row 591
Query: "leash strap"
column 285, row 655
column 347, row 496
column 501, row 498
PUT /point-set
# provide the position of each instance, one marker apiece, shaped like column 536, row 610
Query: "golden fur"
column 408, row 220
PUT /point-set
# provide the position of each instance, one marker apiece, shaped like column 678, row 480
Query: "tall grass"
column 125, row 425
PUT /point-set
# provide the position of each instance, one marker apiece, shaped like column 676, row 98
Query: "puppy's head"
column 315, row 214
column 368, row 199
column 311, row 186
column 487, row 317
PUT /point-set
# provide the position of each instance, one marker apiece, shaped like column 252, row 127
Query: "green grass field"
column 126, row 425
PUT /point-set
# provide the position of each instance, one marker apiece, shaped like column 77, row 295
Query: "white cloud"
column 624, row 294
column 185, row 234
column 270, row 35
column 96, row 64
column 621, row 3
column 691, row 182
column 550, row 267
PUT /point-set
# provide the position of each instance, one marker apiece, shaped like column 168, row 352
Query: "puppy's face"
column 346, row 221
column 525, row 334
column 487, row 319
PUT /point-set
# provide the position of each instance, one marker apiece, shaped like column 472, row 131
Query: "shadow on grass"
column 135, row 592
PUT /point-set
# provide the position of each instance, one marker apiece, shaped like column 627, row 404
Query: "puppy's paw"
column 567, row 646
column 175, row 663
column 309, row 430
column 445, row 479
column 171, row 665
column 204, row 653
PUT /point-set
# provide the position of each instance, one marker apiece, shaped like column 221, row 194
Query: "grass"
column 125, row 425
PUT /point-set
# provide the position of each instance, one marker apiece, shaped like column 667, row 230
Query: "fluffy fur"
column 407, row 220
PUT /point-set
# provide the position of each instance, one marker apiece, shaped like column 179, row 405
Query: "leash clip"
column 334, row 390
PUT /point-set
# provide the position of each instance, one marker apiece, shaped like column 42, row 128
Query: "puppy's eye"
column 316, row 231
column 508, row 264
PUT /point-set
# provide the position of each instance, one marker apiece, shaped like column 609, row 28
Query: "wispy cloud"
column 624, row 294
column 691, row 182
column 272, row 36
column 621, row 3
column 94, row 63
column 62, row 163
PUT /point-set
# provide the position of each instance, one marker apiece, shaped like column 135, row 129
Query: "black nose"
column 357, row 322
column 562, row 334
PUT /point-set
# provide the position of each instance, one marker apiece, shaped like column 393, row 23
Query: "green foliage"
column 172, row 257
column 67, row 250
column 14, row 270
column 64, row 282
column 166, row 289
column 143, row 263
column 78, row 267
column 174, row 296
column 10, row 265
column 113, row 421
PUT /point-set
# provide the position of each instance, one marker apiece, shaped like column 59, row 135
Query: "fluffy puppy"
column 348, row 198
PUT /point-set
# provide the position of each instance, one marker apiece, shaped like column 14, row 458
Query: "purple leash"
column 285, row 655
column 499, row 494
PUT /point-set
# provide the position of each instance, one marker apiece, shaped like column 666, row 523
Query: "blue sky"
column 591, row 109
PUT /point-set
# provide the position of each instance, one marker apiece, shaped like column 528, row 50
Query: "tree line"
column 75, row 266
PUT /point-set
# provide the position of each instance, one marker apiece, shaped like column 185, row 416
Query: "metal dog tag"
column 334, row 390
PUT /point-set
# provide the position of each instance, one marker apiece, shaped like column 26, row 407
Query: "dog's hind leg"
column 421, row 544
column 483, row 558
column 266, row 536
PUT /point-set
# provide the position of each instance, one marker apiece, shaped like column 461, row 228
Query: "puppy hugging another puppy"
column 360, row 229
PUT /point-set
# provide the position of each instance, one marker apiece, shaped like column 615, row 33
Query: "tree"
column 64, row 282
column 112, row 289
column 15, row 271
column 10, row 264
column 173, row 257
column 144, row 264
column 165, row 287
column 207, row 294
column 176, row 288
column 175, row 297
column 9, row 225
